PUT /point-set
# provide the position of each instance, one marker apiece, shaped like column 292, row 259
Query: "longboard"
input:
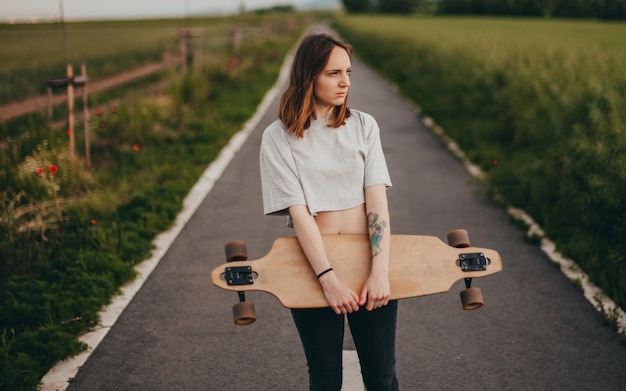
column 418, row 266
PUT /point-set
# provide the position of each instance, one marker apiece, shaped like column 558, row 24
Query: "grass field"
column 32, row 53
column 539, row 104
column 39, row 45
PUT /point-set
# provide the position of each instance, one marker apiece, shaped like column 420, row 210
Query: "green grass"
column 538, row 104
column 71, row 235
column 32, row 53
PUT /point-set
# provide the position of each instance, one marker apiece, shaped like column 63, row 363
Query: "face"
column 331, row 85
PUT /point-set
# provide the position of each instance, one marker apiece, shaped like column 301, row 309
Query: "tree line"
column 598, row 9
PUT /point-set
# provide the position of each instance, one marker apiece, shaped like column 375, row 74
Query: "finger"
column 363, row 298
column 378, row 303
column 352, row 305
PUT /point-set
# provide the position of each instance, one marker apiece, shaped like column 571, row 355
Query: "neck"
column 321, row 112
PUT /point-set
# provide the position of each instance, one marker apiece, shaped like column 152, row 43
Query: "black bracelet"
column 324, row 272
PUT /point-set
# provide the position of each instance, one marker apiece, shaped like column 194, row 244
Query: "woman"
column 322, row 164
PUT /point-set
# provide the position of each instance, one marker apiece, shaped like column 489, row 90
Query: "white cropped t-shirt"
column 326, row 170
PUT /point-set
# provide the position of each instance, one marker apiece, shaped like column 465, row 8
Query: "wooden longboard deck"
column 419, row 265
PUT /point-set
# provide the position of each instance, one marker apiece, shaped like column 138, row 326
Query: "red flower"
column 99, row 112
column 93, row 221
column 69, row 133
column 39, row 171
column 136, row 147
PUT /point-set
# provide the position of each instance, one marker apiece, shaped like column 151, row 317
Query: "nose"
column 345, row 80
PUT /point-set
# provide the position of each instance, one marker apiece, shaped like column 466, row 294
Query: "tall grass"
column 539, row 104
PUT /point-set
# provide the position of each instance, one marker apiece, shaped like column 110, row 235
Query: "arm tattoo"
column 377, row 228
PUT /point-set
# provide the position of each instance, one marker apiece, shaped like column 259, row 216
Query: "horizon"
column 46, row 11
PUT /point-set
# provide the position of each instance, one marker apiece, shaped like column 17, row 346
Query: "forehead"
column 338, row 59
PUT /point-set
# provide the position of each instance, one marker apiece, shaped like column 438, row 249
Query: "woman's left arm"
column 376, row 291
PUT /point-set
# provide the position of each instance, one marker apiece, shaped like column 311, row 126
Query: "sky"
column 42, row 10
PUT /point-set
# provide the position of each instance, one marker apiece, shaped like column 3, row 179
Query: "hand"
column 375, row 292
column 341, row 299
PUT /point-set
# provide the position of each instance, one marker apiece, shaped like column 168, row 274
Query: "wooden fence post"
column 237, row 38
column 199, row 53
column 190, row 55
column 50, row 105
column 70, row 108
column 83, row 75
column 182, row 44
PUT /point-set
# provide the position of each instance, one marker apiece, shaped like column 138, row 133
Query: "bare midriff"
column 347, row 221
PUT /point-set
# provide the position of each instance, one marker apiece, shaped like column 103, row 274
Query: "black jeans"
column 374, row 335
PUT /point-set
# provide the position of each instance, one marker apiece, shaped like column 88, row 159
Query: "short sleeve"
column 376, row 171
column 279, row 178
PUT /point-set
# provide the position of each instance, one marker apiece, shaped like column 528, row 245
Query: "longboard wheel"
column 236, row 251
column 244, row 313
column 458, row 238
column 472, row 299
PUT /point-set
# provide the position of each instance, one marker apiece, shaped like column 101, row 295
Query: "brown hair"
column 297, row 102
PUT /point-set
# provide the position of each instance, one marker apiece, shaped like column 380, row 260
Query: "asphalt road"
column 535, row 332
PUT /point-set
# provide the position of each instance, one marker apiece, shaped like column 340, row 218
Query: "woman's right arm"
column 340, row 298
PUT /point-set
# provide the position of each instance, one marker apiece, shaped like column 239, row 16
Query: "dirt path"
column 18, row 109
